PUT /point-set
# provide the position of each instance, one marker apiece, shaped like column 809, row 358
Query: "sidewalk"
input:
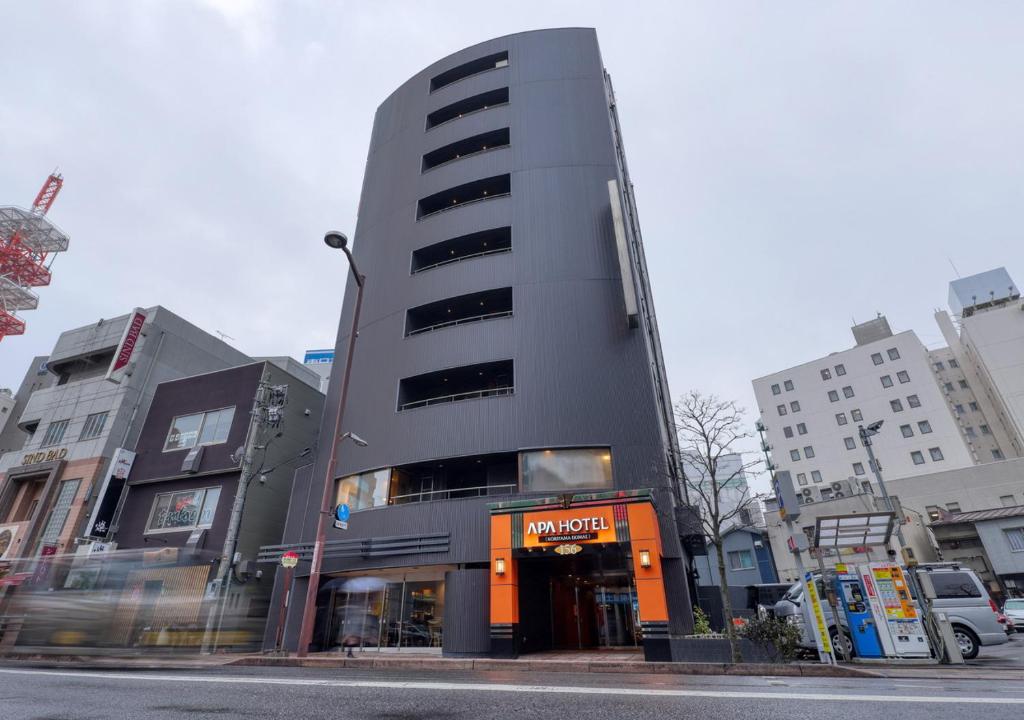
column 541, row 663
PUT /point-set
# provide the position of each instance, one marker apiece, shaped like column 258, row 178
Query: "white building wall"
column 854, row 377
column 993, row 342
column 978, row 487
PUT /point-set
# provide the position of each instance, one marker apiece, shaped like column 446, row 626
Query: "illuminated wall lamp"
column 645, row 558
column 499, row 566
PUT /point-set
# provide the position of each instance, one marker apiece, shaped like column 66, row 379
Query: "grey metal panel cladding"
column 467, row 631
column 467, row 522
column 581, row 376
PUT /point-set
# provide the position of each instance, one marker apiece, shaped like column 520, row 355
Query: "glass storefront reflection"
column 388, row 611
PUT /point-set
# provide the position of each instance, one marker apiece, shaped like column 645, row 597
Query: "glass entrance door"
column 616, row 614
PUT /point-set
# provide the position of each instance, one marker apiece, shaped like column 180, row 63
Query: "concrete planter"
column 716, row 650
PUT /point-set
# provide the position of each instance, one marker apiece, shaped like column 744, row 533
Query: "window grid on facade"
column 787, row 431
column 858, row 468
column 918, row 457
column 794, row 406
column 801, row 428
column 903, row 376
column 896, row 405
column 809, row 451
column 850, row 443
column 953, row 363
column 788, row 384
column 781, row 409
column 841, row 418
column 924, row 427
column 833, row 396
column 886, row 381
column 93, row 426
column 59, row 515
column 913, row 401
column 826, row 374
column 893, row 353
column 876, row 358
column 794, row 455
column 840, row 370
column 815, row 476
column 1015, row 539
column 801, row 478
column 936, row 454
column 776, row 389
column 857, row 415
column 54, row 433
column 907, row 431
column 847, row 392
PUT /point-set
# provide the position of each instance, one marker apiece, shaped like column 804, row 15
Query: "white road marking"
column 499, row 687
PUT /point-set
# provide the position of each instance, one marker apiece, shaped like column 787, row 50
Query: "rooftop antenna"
column 223, row 336
column 953, row 266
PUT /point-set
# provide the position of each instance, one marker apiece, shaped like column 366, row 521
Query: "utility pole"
column 265, row 413
column 934, row 634
column 794, row 545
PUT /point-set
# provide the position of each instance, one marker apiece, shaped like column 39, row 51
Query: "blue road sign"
column 342, row 512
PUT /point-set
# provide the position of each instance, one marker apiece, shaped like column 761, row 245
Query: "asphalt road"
column 313, row 693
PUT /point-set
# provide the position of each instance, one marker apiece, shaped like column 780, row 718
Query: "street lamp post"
column 337, row 241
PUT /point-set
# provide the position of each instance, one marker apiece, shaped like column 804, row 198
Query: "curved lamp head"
column 336, row 240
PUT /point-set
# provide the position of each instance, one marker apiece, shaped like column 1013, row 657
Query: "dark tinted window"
column 954, row 585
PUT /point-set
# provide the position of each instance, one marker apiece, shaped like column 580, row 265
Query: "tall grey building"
column 518, row 490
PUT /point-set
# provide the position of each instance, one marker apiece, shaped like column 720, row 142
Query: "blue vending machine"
column 860, row 621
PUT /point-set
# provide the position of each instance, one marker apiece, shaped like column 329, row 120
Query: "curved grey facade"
column 575, row 370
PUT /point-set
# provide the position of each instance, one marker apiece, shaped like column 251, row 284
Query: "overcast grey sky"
column 797, row 164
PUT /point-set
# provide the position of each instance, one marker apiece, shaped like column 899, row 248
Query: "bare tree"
column 709, row 429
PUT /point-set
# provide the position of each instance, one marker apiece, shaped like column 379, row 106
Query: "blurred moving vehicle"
column 1013, row 609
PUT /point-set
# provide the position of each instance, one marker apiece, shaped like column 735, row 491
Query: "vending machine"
column 859, row 618
column 900, row 628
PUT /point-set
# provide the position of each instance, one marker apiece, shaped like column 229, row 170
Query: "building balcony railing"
column 490, row 392
column 460, row 321
column 457, row 205
column 460, row 259
column 453, row 494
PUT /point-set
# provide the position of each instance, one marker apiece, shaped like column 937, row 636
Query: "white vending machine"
column 898, row 621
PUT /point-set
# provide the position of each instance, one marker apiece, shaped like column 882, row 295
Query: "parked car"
column 961, row 596
column 1013, row 609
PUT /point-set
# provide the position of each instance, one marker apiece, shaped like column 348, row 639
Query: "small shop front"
column 577, row 572
column 383, row 609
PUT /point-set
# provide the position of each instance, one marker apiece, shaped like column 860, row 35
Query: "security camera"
column 876, row 426
column 306, row 412
column 355, row 438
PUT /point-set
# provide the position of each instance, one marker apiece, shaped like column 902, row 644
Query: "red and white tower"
column 28, row 244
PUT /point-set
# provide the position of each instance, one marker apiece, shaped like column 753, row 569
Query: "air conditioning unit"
column 193, row 460
column 842, row 488
column 807, row 495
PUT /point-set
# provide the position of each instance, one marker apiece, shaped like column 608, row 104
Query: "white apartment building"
column 987, row 347
column 918, row 501
column 811, row 415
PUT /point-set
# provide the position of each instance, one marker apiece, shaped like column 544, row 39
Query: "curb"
column 554, row 666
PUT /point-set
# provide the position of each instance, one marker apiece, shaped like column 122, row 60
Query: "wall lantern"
column 499, row 566
column 645, row 558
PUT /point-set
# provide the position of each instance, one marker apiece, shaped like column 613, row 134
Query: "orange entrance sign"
column 575, row 526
